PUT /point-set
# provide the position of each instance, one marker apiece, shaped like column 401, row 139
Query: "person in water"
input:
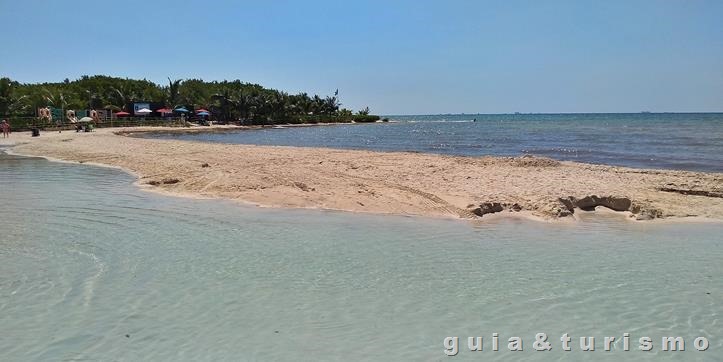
column 5, row 128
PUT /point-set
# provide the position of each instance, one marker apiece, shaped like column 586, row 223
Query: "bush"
column 365, row 118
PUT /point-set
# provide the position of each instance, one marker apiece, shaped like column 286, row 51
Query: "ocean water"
column 92, row 268
column 683, row 141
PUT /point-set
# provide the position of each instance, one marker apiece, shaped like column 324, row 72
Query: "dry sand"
column 386, row 182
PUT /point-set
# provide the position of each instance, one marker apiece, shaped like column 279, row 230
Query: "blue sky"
column 397, row 57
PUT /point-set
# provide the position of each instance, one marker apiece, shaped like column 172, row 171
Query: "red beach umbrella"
column 122, row 114
column 164, row 110
column 201, row 110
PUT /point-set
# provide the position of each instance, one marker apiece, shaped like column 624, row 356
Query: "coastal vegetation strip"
column 225, row 102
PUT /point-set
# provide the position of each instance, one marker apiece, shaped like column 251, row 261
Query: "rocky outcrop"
column 493, row 207
column 566, row 207
column 589, row 203
column 165, row 181
column 644, row 212
column 616, row 203
column 487, row 208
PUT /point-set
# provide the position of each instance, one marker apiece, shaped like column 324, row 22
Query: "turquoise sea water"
column 685, row 141
column 92, row 268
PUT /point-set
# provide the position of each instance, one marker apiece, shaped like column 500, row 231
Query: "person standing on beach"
column 6, row 128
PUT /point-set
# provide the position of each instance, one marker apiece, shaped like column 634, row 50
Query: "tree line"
column 227, row 101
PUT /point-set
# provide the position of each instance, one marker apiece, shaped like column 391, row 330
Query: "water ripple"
column 92, row 268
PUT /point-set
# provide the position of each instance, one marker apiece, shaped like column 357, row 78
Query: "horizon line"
column 544, row 113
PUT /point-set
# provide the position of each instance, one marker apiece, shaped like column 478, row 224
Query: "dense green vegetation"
column 228, row 101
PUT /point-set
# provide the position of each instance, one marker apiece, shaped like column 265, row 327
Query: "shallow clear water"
column 92, row 268
column 692, row 141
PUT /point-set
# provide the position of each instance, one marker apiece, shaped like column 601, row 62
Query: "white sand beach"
column 385, row 182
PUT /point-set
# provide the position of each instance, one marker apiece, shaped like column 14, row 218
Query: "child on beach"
column 5, row 128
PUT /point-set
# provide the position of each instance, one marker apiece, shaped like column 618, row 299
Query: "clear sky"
column 397, row 57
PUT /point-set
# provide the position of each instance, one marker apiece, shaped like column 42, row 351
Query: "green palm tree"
column 224, row 105
column 173, row 95
column 9, row 103
column 56, row 100
column 121, row 96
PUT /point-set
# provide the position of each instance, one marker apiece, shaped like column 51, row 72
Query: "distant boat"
column 645, row 112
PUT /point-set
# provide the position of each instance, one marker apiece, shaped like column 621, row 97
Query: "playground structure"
column 70, row 115
column 95, row 115
column 44, row 114
column 49, row 117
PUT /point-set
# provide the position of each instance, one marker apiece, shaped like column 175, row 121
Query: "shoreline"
column 400, row 183
column 133, row 131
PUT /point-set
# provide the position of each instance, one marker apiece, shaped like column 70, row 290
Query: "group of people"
column 5, row 126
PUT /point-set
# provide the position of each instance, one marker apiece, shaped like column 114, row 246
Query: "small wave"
column 443, row 121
